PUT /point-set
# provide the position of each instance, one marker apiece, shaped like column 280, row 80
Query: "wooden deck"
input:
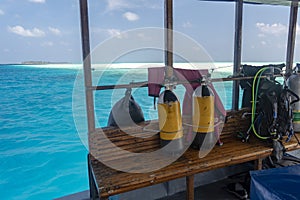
column 106, row 181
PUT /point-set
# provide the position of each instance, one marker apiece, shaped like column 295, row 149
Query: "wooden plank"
column 190, row 187
column 103, row 151
column 258, row 164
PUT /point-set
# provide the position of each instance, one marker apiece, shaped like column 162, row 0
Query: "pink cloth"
column 156, row 79
column 189, row 75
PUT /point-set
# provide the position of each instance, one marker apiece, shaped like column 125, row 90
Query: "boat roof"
column 267, row 2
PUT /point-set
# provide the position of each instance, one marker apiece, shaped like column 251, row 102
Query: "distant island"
column 42, row 63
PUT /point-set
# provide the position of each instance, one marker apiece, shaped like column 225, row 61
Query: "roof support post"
column 237, row 52
column 87, row 65
column 168, row 40
column 291, row 36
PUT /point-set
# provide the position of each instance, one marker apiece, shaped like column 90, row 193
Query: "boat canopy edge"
column 266, row 2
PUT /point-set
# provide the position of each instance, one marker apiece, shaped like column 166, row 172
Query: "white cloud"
column 55, row 31
column 63, row 43
column 47, row 44
column 263, row 43
column 113, row 5
column 97, row 30
column 261, row 35
column 152, row 5
column 130, row 16
column 1, row 12
column 273, row 29
column 111, row 32
column 116, row 4
column 145, row 37
column 114, row 33
column 20, row 30
column 37, row 1
column 187, row 24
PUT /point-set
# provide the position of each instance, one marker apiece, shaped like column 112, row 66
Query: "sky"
column 49, row 30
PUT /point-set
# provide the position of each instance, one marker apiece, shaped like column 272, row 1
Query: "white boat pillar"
column 237, row 52
column 291, row 36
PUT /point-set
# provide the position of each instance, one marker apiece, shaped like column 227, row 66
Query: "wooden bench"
column 105, row 181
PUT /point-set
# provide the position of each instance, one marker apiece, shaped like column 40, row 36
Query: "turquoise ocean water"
column 41, row 154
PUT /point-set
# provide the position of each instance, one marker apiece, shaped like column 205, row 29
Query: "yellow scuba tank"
column 170, row 121
column 203, row 118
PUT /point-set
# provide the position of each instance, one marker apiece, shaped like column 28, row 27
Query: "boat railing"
column 145, row 83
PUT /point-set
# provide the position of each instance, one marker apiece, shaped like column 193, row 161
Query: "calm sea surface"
column 41, row 154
